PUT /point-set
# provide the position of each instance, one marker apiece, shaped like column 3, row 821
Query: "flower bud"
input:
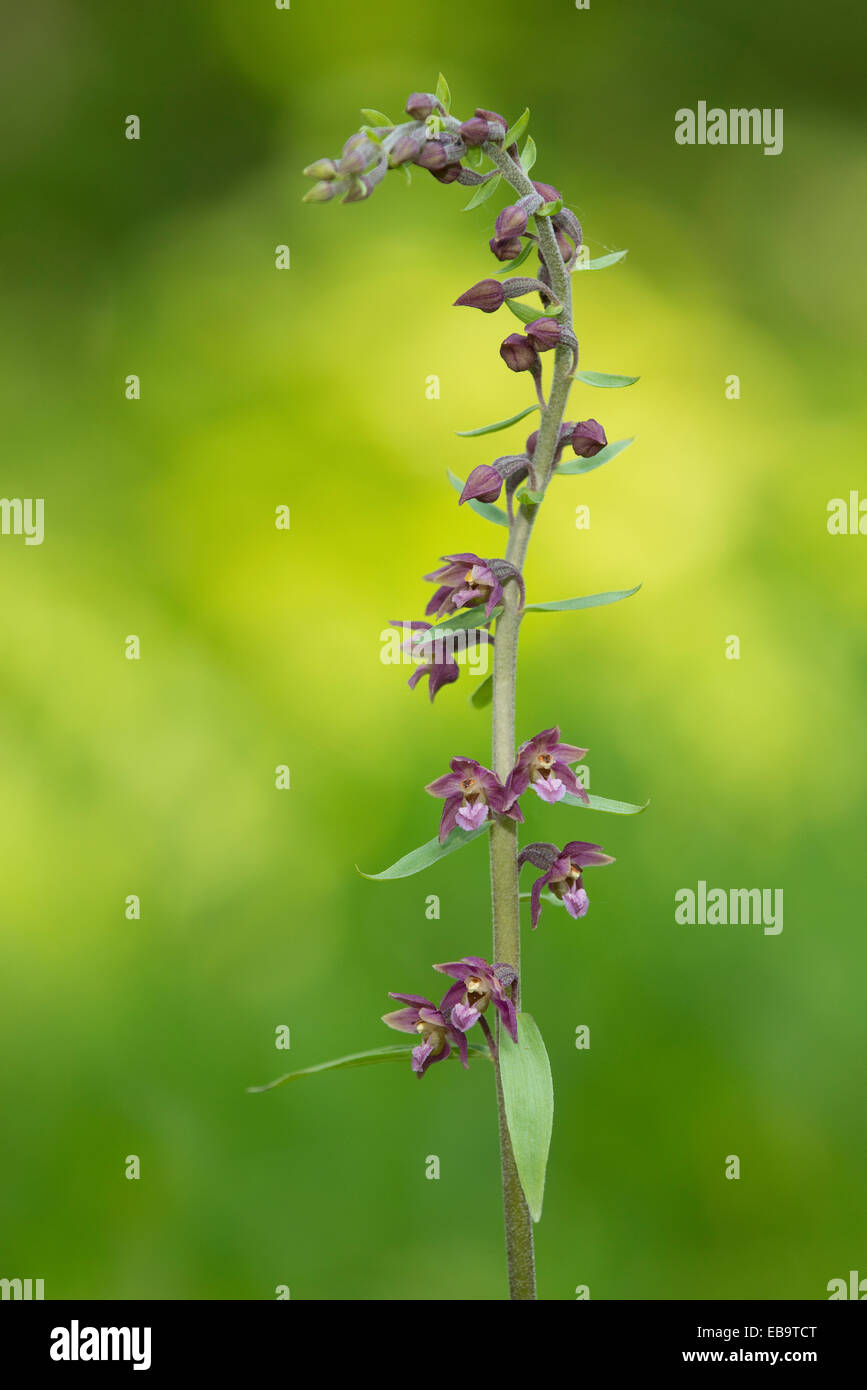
column 322, row 169
column 493, row 119
column 547, row 192
column 406, row 148
column 421, row 105
column 432, row 155
column 511, row 222
column 507, row 250
column 487, row 295
column 448, row 174
column 483, row 483
column 474, row 131
column 588, row 437
column 544, row 334
column 359, row 189
column 518, row 353
column 324, row 191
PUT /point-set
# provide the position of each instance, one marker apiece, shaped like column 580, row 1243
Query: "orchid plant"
column 483, row 597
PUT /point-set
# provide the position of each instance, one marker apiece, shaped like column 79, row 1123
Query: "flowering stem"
column 504, row 834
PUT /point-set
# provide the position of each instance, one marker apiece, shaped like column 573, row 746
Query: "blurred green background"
column 259, row 647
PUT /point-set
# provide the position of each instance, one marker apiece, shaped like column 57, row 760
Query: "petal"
column 549, row 789
column 444, row 786
column 568, row 753
column 576, row 902
column 536, row 898
column 507, row 1013
column 470, row 817
column 463, row 1017
column 404, row 1020
column 449, row 818
column 583, row 853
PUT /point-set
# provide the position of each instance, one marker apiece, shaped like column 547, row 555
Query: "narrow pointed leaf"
column 374, row 117
column 581, row 465
column 568, row 605
column 483, row 693
column 528, row 1093
column 529, row 315
column 468, row 617
column 442, row 92
column 356, row 1059
column 497, row 425
column 603, row 379
column 601, row 262
column 475, row 157
column 514, row 134
column 485, row 509
column 483, row 193
column 429, row 853
column 528, row 155
column 601, row 803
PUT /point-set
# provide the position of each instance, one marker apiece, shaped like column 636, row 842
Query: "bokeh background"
column 260, row 647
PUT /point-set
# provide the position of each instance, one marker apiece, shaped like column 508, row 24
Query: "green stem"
column 504, row 833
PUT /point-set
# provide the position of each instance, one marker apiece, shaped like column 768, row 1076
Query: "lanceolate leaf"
column 485, row 509
column 357, row 1059
column 483, row 693
column 568, row 605
column 442, row 92
column 498, row 424
column 528, row 1093
column 483, row 193
column 603, row 379
column 517, row 130
column 528, row 155
column 581, row 465
column 428, row 854
column 374, row 117
column 468, row 617
column 601, row 261
column 529, row 315
column 601, row 803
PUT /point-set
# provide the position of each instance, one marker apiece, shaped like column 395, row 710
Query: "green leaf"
column 603, row 379
column 601, row 261
column 483, row 693
column 442, row 92
column 475, row 157
column 407, row 172
column 517, row 130
column 568, row 605
column 374, row 117
column 356, row 1059
column 601, row 803
column 498, row 424
column 526, row 314
column 471, row 617
column 485, row 509
column 483, row 193
column 525, row 255
column 528, row 155
column 581, row 465
column 429, row 853
column 528, row 1093
column 549, row 209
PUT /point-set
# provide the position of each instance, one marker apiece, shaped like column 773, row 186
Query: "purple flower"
column 587, row 438
column 478, row 985
column 466, row 580
column 484, row 483
column 436, row 1033
column 563, row 874
column 471, row 793
column 543, row 764
column 442, row 668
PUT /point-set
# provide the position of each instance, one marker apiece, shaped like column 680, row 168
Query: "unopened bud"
column 518, row 353
column 421, row 105
column 432, row 155
column 493, row 119
column 484, row 484
column 321, row 169
column 487, row 295
column 475, row 131
column 447, row 175
column 544, row 334
column 511, row 222
column 323, row 192
column 507, row 250
column 548, row 193
column 588, row 437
